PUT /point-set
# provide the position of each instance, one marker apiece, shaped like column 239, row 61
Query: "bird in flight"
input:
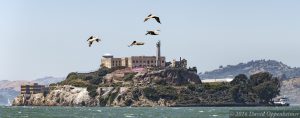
column 136, row 43
column 153, row 32
column 152, row 16
column 92, row 39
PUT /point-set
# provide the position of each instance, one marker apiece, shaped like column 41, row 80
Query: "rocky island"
column 122, row 86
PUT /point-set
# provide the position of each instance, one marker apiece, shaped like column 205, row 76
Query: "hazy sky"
column 48, row 38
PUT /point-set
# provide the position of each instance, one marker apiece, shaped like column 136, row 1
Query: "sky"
column 48, row 38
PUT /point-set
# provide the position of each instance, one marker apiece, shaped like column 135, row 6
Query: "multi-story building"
column 182, row 63
column 33, row 89
column 135, row 61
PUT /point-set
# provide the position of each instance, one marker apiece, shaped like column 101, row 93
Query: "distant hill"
column 48, row 80
column 15, row 85
column 276, row 68
column 10, row 89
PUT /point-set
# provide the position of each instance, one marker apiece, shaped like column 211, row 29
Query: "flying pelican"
column 136, row 43
column 92, row 39
column 153, row 32
column 152, row 16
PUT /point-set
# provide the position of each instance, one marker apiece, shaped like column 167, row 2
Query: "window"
column 148, row 62
column 163, row 61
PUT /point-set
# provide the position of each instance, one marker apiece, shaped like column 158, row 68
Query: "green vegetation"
column 261, row 87
column 163, row 92
column 90, row 79
column 151, row 93
column 216, row 86
column 92, row 91
column 129, row 76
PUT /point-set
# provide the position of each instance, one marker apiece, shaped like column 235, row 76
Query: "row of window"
column 116, row 61
column 148, row 62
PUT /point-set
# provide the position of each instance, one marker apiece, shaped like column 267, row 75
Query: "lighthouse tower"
column 158, row 61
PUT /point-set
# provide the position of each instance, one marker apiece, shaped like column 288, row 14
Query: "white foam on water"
column 201, row 111
column 19, row 112
column 99, row 110
column 214, row 115
column 128, row 115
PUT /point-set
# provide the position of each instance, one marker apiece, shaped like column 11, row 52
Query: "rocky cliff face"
column 64, row 95
column 77, row 96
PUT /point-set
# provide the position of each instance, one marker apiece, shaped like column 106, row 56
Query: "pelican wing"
column 148, row 32
column 130, row 45
column 157, row 19
column 140, row 43
column 146, row 19
column 90, row 43
column 90, row 38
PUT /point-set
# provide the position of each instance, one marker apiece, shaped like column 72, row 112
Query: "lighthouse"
column 158, row 61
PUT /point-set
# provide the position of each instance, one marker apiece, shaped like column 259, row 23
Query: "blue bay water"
column 125, row 112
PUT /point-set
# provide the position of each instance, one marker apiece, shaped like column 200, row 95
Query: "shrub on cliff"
column 192, row 87
column 71, row 74
column 151, row 94
column 163, row 92
column 167, row 92
column 92, row 91
column 96, row 80
column 128, row 102
column 216, row 86
column 240, row 79
column 116, row 68
column 129, row 76
column 260, row 78
column 102, row 71
column 136, row 93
